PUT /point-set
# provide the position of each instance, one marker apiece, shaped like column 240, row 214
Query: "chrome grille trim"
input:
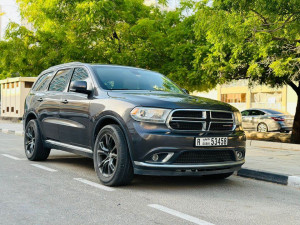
column 206, row 120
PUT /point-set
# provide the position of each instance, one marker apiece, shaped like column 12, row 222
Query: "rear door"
column 74, row 113
column 50, row 105
column 38, row 91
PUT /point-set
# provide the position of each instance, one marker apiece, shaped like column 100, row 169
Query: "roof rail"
column 65, row 64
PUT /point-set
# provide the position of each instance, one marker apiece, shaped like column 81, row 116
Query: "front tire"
column 111, row 157
column 33, row 143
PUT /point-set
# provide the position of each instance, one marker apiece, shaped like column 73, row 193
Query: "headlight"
column 153, row 115
column 238, row 119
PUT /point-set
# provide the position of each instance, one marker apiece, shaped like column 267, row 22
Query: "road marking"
column 100, row 186
column 180, row 214
column 12, row 157
column 44, row 167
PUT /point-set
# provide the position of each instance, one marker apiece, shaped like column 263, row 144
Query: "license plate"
column 211, row 141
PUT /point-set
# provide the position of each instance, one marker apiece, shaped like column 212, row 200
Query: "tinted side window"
column 79, row 74
column 257, row 113
column 43, row 82
column 245, row 113
column 61, row 80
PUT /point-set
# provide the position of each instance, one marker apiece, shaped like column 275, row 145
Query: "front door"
column 246, row 119
column 74, row 114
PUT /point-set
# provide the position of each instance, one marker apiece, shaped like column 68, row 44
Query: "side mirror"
column 80, row 87
column 185, row 91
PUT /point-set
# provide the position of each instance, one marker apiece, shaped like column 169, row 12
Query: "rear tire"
column 262, row 127
column 33, row 143
column 111, row 157
column 218, row 176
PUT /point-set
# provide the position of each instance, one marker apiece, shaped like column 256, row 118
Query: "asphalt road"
column 65, row 190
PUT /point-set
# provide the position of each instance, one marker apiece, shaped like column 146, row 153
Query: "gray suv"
column 131, row 121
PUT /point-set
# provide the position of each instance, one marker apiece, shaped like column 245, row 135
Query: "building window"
column 7, row 85
column 28, row 84
column 12, row 109
column 3, row 86
column 7, row 109
column 17, row 111
column 12, row 85
column 234, row 98
column 17, row 84
column 269, row 100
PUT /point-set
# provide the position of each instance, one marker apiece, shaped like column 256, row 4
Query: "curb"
column 283, row 179
column 7, row 131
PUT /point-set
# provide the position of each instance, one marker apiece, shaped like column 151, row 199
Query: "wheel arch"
column 29, row 116
column 112, row 118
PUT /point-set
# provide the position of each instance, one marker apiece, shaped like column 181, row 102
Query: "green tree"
column 257, row 40
column 125, row 32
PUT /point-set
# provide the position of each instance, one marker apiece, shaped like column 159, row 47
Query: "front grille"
column 186, row 125
column 193, row 114
column 200, row 120
column 221, row 126
column 221, row 115
column 205, row 156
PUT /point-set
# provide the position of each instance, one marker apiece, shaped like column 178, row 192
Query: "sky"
column 10, row 8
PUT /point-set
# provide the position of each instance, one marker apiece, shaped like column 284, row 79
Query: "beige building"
column 13, row 94
column 240, row 95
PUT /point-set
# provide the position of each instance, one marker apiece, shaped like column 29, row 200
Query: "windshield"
column 122, row 78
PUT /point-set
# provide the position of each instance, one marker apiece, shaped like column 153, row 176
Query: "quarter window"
column 43, row 82
column 61, row 80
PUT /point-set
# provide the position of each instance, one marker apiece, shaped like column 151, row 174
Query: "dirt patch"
column 268, row 136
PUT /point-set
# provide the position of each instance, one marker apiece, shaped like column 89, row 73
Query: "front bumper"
column 187, row 169
column 149, row 139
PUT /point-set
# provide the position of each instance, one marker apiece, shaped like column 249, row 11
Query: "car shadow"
column 173, row 182
column 147, row 182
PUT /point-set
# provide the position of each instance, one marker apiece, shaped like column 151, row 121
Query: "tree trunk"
column 296, row 126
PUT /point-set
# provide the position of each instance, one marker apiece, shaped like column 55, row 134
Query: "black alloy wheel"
column 33, row 143
column 112, row 161
column 29, row 140
column 107, row 152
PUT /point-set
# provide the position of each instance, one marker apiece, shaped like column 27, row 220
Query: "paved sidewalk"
column 273, row 160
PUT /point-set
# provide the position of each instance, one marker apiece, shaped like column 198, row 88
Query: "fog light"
column 239, row 155
column 155, row 157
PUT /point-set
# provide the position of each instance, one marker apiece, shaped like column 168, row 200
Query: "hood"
column 169, row 100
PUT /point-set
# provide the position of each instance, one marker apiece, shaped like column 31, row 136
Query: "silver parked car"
column 264, row 120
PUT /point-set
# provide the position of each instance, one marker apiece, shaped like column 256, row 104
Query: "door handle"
column 40, row 99
column 65, row 101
